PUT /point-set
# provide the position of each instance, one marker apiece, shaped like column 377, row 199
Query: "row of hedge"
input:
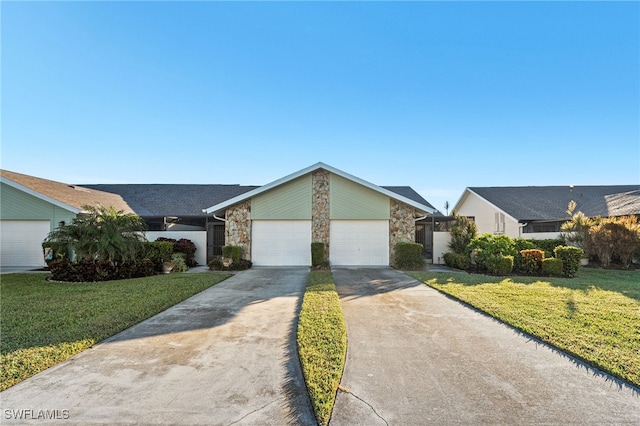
column 155, row 257
column 503, row 255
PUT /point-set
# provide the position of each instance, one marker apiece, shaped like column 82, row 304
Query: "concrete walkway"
column 225, row 356
column 416, row 357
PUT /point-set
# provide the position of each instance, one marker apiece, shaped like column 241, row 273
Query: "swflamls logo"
column 31, row 414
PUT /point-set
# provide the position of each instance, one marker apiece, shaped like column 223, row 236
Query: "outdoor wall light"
column 61, row 224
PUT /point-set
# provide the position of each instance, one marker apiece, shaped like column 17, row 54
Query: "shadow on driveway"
column 417, row 357
column 224, row 356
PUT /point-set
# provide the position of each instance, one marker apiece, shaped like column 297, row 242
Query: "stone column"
column 402, row 228
column 320, row 209
column 237, row 230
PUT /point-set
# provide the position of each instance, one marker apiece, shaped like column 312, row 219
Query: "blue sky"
column 438, row 96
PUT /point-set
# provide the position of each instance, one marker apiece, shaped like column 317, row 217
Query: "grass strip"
column 44, row 323
column 322, row 342
column 594, row 316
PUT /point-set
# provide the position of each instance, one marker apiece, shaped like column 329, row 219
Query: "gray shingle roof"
column 172, row 199
column 527, row 203
column 189, row 200
column 410, row 193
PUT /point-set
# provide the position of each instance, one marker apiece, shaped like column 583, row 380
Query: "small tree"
column 615, row 237
column 462, row 232
column 627, row 239
column 102, row 234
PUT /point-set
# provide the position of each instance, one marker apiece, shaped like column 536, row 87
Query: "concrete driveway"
column 416, row 357
column 225, row 356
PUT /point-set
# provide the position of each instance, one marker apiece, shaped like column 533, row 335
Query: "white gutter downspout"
column 415, row 219
column 214, row 216
column 520, row 227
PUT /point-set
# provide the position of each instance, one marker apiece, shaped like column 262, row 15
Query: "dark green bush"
column 409, row 256
column 236, row 265
column 571, row 257
column 232, row 252
column 188, row 248
column 183, row 245
column 96, row 271
column 499, row 264
column 551, row 266
column 548, row 246
column 531, row 260
column 158, row 252
column 456, row 260
column 317, row 254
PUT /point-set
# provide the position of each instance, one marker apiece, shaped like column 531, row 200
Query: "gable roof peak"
column 317, row 166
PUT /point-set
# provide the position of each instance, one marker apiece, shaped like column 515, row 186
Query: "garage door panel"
column 361, row 242
column 21, row 242
column 281, row 243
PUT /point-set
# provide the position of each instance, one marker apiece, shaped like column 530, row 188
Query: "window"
column 542, row 227
column 499, row 229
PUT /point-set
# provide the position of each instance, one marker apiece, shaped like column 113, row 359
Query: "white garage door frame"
column 21, row 242
column 359, row 242
column 281, row 242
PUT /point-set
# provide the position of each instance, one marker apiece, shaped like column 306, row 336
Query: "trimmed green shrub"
column 409, row 256
column 531, row 260
column 521, row 244
column 551, row 266
column 458, row 261
column 571, row 257
column 232, row 252
column 317, row 255
column 499, row 264
column 488, row 246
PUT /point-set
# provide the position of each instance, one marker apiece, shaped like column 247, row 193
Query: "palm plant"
column 101, row 233
column 576, row 230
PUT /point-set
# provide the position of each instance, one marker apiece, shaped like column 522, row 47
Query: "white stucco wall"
column 199, row 238
column 440, row 246
column 484, row 213
column 541, row 235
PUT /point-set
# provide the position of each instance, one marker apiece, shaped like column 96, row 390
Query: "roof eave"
column 40, row 195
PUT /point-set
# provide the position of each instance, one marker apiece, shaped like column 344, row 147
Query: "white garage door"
column 21, row 242
column 281, row 243
column 359, row 242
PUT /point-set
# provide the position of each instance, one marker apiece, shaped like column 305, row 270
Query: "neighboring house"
column 31, row 207
column 367, row 219
column 359, row 223
column 537, row 212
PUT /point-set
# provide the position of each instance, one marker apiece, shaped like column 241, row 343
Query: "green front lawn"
column 594, row 316
column 322, row 342
column 45, row 323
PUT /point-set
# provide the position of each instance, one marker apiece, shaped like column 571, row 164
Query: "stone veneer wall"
column 237, row 230
column 320, row 209
column 402, row 228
